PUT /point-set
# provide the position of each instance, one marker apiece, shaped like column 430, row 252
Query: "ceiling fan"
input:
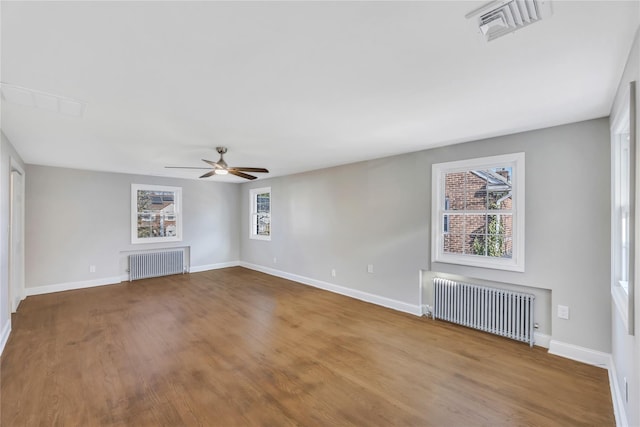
column 221, row 168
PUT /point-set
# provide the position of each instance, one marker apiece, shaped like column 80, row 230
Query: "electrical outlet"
column 563, row 312
column 275, row 260
column 333, row 272
column 92, row 269
column 370, row 268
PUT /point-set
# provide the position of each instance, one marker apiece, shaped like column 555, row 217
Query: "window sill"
column 254, row 237
column 482, row 262
column 168, row 239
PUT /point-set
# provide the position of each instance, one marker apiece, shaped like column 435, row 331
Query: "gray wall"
column 77, row 218
column 625, row 348
column 345, row 218
column 378, row 212
column 7, row 152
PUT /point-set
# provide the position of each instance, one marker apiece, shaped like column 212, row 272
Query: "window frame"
column 253, row 214
column 439, row 170
column 177, row 202
column 623, row 205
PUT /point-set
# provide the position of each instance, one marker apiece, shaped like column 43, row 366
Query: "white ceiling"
column 295, row 86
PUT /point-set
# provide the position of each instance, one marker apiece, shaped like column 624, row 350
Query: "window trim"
column 253, row 214
column 177, row 201
column 517, row 162
column 623, row 122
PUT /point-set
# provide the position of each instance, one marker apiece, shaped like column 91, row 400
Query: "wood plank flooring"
column 235, row 347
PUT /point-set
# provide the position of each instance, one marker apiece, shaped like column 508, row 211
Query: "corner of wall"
column 4, row 335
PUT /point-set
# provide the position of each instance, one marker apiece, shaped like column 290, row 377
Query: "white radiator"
column 154, row 264
column 498, row 311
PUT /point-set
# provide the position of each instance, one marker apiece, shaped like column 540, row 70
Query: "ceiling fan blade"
column 214, row 164
column 208, row 174
column 263, row 170
column 185, row 167
column 241, row 175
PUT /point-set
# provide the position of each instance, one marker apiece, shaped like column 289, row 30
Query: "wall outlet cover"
column 563, row 312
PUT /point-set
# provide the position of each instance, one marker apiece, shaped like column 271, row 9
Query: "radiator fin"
column 154, row 264
column 498, row 311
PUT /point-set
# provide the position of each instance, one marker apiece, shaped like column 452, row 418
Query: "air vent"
column 46, row 101
column 501, row 17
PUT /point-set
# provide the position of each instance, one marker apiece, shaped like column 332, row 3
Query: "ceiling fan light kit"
column 221, row 168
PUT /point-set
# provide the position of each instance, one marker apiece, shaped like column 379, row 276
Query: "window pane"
column 476, row 244
column 496, row 183
column 454, row 190
column 144, row 200
column 474, row 211
column 157, row 230
column 263, row 224
column 475, row 224
column 499, row 246
column 507, row 247
column 156, row 213
column 260, row 213
column 456, row 224
column 262, row 202
column 475, row 192
column 503, row 224
column 499, row 200
column 453, row 243
column 491, row 245
column 144, row 225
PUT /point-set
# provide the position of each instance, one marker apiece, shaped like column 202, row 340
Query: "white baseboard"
column 4, row 335
column 207, row 267
column 616, row 396
column 580, row 354
column 60, row 287
column 602, row 360
column 541, row 340
column 353, row 293
column 426, row 309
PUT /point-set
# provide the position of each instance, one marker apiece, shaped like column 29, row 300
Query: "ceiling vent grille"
column 500, row 17
column 47, row 101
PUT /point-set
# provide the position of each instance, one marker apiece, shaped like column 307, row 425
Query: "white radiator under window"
column 154, row 264
column 498, row 311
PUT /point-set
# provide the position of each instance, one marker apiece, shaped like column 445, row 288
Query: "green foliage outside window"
column 494, row 239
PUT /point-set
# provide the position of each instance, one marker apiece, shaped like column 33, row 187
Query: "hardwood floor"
column 235, row 347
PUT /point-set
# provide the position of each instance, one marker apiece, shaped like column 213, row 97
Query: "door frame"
column 16, row 290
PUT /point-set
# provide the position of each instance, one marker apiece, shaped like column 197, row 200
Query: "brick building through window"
column 478, row 216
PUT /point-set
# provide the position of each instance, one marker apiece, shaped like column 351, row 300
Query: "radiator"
column 498, row 311
column 154, row 264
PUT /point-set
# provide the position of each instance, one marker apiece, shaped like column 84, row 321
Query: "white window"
column 622, row 206
column 260, row 213
column 477, row 213
column 623, row 186
column 156, row 214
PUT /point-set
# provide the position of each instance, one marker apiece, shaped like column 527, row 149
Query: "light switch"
column 563, row 312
